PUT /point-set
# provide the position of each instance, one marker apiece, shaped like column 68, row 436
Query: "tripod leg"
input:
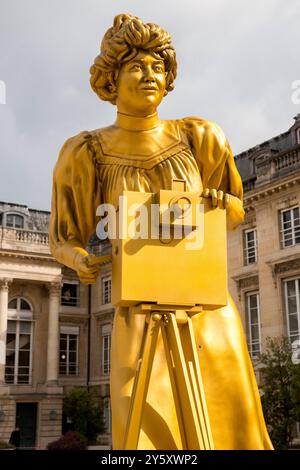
column 141, row 381
column 188, row 384
column 188, row 339
column 183, row 389
column 171, row 368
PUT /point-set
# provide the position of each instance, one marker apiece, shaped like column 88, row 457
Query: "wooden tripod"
column 182, row 358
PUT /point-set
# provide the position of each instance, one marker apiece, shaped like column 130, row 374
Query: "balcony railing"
column 275, row 166
column 287, row 160
column 28, row 240
column 27, row 236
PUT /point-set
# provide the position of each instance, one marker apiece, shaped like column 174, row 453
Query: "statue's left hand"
column 232, row 204
column 218, row 198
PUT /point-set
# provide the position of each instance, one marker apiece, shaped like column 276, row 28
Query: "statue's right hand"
column 87, row 274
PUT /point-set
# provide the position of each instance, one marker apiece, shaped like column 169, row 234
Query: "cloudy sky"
column 237, row 62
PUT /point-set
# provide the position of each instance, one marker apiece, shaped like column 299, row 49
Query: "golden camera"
column 187, row 268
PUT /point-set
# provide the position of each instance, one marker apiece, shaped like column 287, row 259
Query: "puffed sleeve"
column 75, row 198
column 216, row 163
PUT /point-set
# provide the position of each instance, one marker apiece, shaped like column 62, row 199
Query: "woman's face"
column 141, row 85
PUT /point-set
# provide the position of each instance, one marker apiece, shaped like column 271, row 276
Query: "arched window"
column 19, row 342
column 298, row 135
column 13, row 220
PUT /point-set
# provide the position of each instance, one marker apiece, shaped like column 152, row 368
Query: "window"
column 253, row 320
column 107, row 414
column 70, row 294
column 290, row 227
column 250, row 244
column 106, row 290
column 298, row 136
column 19, row 342
column 68, row 350
column 106, row 340
column 292, row 304
column 14, row 220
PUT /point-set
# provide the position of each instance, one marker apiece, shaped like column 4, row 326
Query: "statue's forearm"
column 235, row 213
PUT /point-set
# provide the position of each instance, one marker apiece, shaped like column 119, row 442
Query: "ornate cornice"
column 283, row 266
column 272, row 189
column 31, row 256
column 243, row 283
column 246, row 282
column 106, row 315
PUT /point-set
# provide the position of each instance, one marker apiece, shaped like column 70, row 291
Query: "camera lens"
column 180, row 206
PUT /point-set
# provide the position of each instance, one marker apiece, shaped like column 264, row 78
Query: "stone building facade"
column 264, row 252
column 54, row 331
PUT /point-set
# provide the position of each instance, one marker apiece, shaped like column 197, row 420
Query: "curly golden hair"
column 121, row 43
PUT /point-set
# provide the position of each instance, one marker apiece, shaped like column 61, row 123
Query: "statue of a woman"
column 135, row 69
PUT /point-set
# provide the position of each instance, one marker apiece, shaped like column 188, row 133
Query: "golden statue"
column 135, row 69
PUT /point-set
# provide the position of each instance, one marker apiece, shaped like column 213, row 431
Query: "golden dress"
column 95, row 167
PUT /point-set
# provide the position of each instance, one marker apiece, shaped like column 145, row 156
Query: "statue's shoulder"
column 77, row 150
column 83, row 144
column 199, row 124
column 75, row 143
column 200, row 129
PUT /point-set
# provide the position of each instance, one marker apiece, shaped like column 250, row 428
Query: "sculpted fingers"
column 226, row 200
column 214, row 197
column 206, row 192
column 87, row 274
column 220, row 196
column 90, row 270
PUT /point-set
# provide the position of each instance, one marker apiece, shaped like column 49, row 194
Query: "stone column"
column 4, row 286
column 53, row 333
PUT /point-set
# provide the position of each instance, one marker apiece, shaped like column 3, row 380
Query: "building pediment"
column 246, row 281
column 285, row 265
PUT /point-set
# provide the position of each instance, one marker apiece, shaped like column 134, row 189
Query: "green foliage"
column 84, row 410
column 5, row 445
column 70, row 441
column 281, row 391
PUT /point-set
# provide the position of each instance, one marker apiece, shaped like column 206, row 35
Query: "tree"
column 281, row 390
column 85, row 412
